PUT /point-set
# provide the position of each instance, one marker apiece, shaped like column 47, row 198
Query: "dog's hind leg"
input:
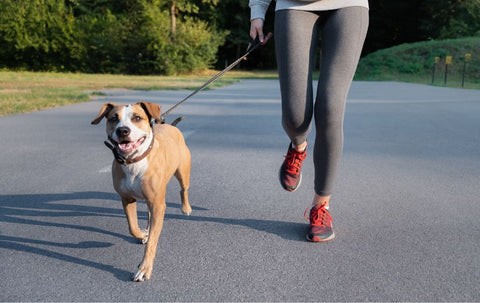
column 130, row 208
column 147, row 231
column 183, row 176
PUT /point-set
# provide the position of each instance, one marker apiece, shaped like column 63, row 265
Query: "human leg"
column 343, row 35
column 295, row 42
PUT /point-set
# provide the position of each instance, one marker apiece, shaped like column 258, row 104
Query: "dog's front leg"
column 157, row 213
column 130, row 208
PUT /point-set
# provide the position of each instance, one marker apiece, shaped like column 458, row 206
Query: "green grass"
column 22, row 92
column 413, row 62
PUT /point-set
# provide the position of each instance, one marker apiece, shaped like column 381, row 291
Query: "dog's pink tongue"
column 125, row 147
column 129, row 147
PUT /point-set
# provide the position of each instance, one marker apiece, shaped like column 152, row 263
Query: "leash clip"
column 154, row 121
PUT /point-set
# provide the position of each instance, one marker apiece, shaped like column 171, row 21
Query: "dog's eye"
column 113, row 118
column 136, row 119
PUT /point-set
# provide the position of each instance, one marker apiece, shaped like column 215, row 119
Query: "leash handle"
column 254, row 43
column 251, row 47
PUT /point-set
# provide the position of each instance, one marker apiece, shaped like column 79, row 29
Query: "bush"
column 132, row 36
column 193, row 45
column 101, row 43
column 417, row 59
column 37, row 35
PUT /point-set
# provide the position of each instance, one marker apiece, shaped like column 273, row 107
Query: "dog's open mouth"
column 128, row 147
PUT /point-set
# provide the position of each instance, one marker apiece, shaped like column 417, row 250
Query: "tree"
column 234, row 15
column 128, row 36
column 37, row 34
column 181, row 36
column 165, row 47
column 393, row 23
column 188, row 8
column 451, row 18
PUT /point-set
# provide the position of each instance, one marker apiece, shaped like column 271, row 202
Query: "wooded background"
column 167, row 37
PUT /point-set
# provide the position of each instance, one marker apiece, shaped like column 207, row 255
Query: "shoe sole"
column 318, row 239
column 287, row 188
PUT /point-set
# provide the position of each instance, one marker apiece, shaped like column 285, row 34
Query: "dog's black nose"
column 123, row 131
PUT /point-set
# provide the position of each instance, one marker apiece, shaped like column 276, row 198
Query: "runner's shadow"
column 291, row 231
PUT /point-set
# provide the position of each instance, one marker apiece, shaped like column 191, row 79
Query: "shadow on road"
column 287, row 230
column 20, row 209
column 17, row 244
column 13, row 209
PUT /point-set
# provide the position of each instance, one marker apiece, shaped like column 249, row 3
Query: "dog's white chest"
column 132, row 183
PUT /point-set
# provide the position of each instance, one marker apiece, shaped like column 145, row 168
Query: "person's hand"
column 256, row 28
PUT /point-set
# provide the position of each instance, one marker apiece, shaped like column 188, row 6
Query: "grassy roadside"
column 22, row 92
column 414, row 62
column 28, row 91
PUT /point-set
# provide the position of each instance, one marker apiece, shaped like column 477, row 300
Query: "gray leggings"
column 343, row 33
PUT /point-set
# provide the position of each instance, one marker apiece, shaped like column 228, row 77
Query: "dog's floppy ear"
column 153, row 110
column 106, row 108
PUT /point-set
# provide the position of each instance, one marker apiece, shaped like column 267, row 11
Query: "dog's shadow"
column 35, row 209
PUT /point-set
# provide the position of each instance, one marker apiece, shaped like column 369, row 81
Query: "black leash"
column 251, row 47
column 110, row 143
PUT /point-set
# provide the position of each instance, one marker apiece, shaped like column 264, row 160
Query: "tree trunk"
column 173, row 18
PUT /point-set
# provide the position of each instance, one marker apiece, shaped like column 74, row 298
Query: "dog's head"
column 129, row 126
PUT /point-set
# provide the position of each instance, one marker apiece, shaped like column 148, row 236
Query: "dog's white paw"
column 144, row 272
column 139, row 277
column 145, row 240
column 187, row 210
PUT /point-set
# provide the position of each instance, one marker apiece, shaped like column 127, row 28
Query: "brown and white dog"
column 147, row 155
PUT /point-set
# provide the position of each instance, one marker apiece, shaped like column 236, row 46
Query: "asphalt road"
column 406, row 203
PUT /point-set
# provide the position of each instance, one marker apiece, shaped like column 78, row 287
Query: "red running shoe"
column 321, row 229
column 291, row 171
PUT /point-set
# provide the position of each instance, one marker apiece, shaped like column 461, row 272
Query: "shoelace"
column 294, row 161
column 319, row 216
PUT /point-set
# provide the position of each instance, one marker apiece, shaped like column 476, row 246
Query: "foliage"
column 36, row 34
column 101, row 42
column 452, row 18
column 107, row 36
column 183, row 36
column 193, row 45
column 393, row 23
column 417, row 59
column 396, row 22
